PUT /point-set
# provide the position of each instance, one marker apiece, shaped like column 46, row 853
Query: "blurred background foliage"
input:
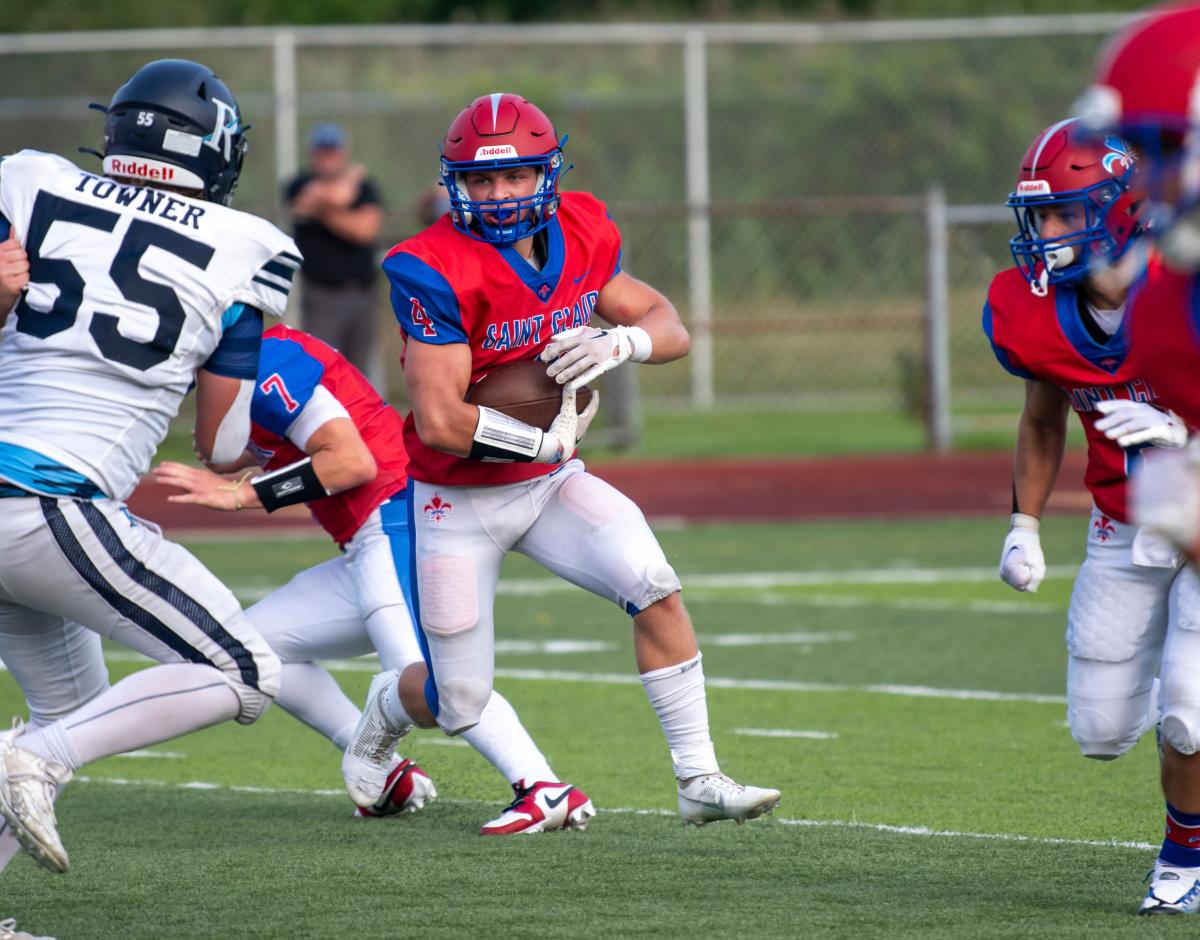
column 34, row 15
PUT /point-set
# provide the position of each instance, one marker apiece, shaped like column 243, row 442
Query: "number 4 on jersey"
column 421, row 318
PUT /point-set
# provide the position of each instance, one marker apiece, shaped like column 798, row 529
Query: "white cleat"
column 713, row 797
column 8, row 931
column 368, row 758
column 1172, row 891
column 28, row 785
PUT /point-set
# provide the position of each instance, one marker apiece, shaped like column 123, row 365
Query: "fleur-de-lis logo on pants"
column 438, row 509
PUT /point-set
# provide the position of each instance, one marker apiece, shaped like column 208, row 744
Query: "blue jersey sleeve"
column 1000, row 352
column 236, row 354
column 287, row 378
column 423, row 300
column 5, row 227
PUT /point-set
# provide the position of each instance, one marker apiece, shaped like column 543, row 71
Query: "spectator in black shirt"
column 337, row 214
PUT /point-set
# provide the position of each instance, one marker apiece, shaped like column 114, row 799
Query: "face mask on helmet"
column 1074, row 207
column 496, row 133
column 175, row 124
column 1146, row 87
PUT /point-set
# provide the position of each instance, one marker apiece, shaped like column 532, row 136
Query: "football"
column 522, row 390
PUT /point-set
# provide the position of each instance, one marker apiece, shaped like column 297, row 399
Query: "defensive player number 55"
column 63, row 274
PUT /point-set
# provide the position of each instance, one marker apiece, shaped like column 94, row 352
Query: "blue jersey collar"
column 543, row 283
column 1108, row 356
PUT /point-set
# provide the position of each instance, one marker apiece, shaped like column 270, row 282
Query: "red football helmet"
column 1146, row 87
column 494, row 131
column 1065, row 167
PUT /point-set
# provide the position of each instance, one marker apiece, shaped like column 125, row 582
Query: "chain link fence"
column 772, row 179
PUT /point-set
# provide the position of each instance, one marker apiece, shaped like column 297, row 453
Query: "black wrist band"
column 287, row 486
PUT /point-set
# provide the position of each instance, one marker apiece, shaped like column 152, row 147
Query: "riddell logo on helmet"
column 1033, row 188
column 496, row 151
column 143, row 170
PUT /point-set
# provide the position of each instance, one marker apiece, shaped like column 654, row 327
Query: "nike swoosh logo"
column 582, row 276
column 551, row 803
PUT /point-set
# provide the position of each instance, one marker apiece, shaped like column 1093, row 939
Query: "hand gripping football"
column 522, row 390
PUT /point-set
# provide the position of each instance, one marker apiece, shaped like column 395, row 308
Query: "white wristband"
column 639, row 343
column 1021, row 521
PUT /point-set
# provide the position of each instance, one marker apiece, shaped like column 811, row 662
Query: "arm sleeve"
column 5, row 228
column 423, row 301
column 236, row 355
column 322, row 408
column 288, row 377
column 1003, row 356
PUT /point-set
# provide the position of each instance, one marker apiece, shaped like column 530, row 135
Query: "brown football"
column 522, row 390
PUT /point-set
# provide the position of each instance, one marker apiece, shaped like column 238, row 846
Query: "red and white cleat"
column 407, row 790
column 540, row 808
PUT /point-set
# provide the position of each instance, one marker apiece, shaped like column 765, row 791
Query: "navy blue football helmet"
column 174, row 123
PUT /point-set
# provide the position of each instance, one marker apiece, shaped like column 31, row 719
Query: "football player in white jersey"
column 141, row 282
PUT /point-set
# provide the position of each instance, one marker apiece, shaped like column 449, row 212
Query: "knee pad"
column 461, row 703
column 1181, row 727
column 1101, row 732
column 448, row 594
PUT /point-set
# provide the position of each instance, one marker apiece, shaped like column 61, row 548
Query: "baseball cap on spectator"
column 327, row 137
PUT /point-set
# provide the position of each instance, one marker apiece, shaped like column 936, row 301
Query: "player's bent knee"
column 255, row 691
column 449, row 597
column 1181, row 727
column 1099, row 736
column 461, row 703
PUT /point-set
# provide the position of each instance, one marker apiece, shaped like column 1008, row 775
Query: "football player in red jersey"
column 1058, row 320
column 514, row 271
column 312, row 410
column 1145, row 88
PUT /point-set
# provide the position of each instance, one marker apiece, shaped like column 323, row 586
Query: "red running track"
column 902, row 485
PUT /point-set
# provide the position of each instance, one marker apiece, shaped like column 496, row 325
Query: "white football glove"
column 1165, row 496
column 584, row 353
column 567, row 429
column 1022, row 564
column 1130, row 423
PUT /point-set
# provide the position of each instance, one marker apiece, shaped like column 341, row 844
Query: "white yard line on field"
column 1019, row 607
column 784, row 733
column 759, row 580
column 627, row 810
column 161, row 755
column 370, row 664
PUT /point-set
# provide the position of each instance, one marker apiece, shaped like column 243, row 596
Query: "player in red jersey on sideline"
column 1058, row 320
column 326, row 438
column 1145, row 89
column 517, row 270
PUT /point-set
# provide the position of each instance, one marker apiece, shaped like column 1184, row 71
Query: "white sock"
column 677, row 695
column 148, row 707
column 503, row 740
column 393, row 708
column 311, row 695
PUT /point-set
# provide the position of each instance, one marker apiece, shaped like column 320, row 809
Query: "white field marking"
column 782, row 733
column 774, row 639
column 900, row 603
column 554, row 647
column 627, row 810
column 165, row 755
column 443, row 741
column 761, row 580
column 371, row 664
